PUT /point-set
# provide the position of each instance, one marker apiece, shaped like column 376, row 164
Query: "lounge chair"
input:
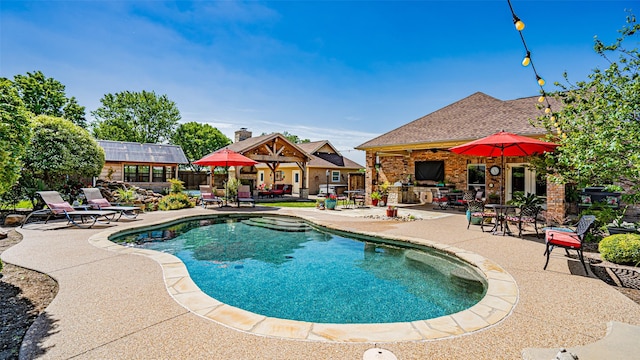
column 208, row 197
column 57, row 207
column 569, row 239
column 244, row 196
column 97, row 201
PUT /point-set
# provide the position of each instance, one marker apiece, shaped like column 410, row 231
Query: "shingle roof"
column 142, row 153
column 473, row 117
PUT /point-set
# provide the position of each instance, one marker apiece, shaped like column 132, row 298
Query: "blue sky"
column 346, row 71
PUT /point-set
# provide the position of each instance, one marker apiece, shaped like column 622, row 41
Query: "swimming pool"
column 313, row 274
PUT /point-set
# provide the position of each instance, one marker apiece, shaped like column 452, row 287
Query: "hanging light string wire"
column 529, row 61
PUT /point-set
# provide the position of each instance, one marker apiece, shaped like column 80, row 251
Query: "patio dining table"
column 501, row 214
column 351, row 197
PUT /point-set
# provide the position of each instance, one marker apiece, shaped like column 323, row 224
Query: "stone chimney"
column 242, row 134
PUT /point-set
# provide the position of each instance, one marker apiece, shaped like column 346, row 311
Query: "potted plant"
column 392, row 211
column 619, row 226
column 384, row 191
column 375, row 197
column 330, row 202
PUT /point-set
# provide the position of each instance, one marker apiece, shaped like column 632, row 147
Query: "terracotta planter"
column 374, row 202
column 392, row 212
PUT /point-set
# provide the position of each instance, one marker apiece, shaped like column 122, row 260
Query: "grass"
column 294, row 204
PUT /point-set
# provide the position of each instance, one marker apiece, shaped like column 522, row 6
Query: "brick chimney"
column 242, row 134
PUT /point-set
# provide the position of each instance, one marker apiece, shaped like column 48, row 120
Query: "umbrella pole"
column 226, row 189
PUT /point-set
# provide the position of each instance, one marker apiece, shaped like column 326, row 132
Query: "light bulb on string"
column 559, row 131
column 564, row 136
column 518, row 23
column 540, row 80
column 547, row 110
column 541, row 99
column 527, row 59
column 553, row 118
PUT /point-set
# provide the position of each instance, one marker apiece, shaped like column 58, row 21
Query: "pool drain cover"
column 378, row 354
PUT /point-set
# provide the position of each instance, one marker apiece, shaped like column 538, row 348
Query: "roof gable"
column 142, row 153
column 473, row 117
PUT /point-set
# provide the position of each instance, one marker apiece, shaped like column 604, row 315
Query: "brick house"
column 416, row 155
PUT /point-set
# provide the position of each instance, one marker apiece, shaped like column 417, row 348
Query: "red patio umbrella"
column 225, row 157
column 504, row 144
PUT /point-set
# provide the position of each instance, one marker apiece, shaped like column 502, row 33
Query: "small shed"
column 148, row 166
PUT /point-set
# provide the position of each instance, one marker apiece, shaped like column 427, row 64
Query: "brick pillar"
column 555, row 203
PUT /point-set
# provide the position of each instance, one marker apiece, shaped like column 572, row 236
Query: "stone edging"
column 498, row 302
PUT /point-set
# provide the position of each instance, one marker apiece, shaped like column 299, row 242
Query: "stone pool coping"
column 497, row 304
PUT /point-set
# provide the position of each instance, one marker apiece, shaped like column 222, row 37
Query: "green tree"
column 598, row 126
column 59, row 149
column 293, row 138
column 198, row 140
column 46, row 96
column 142, row 117
column 15, row 132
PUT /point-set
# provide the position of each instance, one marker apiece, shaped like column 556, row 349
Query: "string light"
column 527, row 59
column 519, row 24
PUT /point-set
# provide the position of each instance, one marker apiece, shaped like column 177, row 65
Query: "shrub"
column 177, row 186
column 175, row 202
column 126, row 196
column 621, row 248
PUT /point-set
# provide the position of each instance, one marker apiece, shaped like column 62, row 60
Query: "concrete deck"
column 114, row 303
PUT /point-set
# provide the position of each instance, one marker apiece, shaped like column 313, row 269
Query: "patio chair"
column 57, row 207
column 440, row 200
column 208, row 197
column 569, row 239
column 476, row 210
column 97, row 201
column 244, row 196
column 527, row 215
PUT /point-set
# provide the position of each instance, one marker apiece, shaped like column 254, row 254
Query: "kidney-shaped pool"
column 287, row 268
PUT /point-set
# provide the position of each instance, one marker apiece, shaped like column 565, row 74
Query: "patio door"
column 296, row 182
column 520, row 178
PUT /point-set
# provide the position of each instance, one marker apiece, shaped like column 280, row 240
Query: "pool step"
column 278, row 223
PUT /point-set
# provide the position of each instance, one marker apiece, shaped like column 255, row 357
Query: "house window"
column 136, row 173
column 279, row 175
column 476, row 176
column 335, row 176
column 160, row 173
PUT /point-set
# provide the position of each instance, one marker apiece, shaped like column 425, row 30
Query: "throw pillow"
column 612, row 200
column 59, row 208
column 100, row 203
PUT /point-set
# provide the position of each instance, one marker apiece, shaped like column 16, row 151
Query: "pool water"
column 314, row 275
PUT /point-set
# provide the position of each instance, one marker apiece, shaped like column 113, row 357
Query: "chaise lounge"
column 208, row 197
column 57, row 208
column 96, row 200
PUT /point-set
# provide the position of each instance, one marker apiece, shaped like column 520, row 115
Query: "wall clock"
column 494, row 170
